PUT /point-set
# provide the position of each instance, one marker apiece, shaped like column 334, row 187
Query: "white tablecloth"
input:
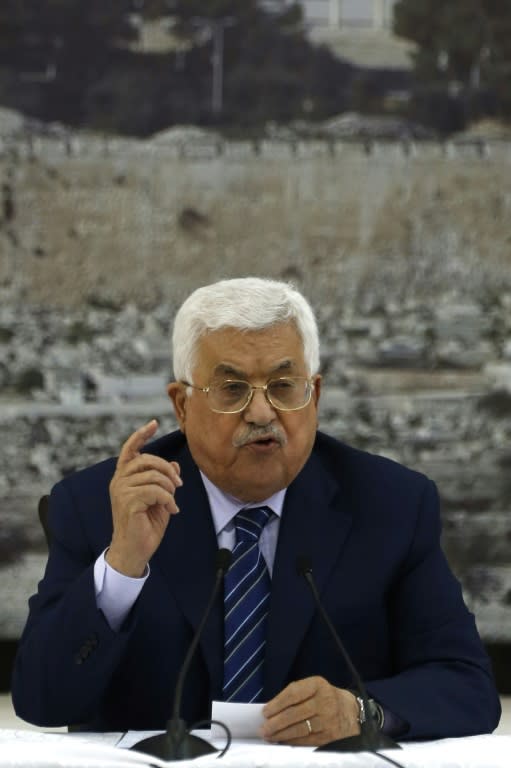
column 39, row 750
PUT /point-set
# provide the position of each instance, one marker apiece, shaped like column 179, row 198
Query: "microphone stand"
column 176, row 743
column 370, row 739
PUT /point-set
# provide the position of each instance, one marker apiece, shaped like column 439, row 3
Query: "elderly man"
column 133, row 545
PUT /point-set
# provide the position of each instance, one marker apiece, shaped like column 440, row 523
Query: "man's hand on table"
column 310, row 712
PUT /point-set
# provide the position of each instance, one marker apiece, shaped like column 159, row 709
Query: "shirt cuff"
column 115, row 593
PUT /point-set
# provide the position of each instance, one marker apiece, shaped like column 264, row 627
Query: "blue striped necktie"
column 247, row 596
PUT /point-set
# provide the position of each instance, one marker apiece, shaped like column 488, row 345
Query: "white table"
column 24, row 749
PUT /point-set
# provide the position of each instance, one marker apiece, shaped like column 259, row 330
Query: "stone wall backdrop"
column 404, row 250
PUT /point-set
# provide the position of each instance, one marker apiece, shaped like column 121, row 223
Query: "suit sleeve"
column 443, row 684
column 67, row 653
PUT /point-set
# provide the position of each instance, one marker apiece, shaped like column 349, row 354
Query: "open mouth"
column 263, row 443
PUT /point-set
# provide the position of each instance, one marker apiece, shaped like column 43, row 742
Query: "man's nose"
column 259, row 410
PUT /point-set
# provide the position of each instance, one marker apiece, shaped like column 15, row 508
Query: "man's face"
column 259, row 451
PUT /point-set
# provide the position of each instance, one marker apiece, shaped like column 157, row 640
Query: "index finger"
column 131, row 448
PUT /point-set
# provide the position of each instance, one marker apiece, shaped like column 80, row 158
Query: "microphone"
column 370, row 738
column 176, row 743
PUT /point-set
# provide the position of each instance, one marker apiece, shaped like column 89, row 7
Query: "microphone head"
column 303, row 565
column 223, row 560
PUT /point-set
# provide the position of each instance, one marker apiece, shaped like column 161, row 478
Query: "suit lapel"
column 186, row 556
column 313, row 525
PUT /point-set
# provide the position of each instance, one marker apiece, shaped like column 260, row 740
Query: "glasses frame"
column 253, row 387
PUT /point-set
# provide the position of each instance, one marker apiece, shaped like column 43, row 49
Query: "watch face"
column 376, row 712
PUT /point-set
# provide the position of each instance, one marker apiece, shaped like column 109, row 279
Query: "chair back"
column 44, row 503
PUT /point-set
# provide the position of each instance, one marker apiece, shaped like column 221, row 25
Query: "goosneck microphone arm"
column 370, row 738
column 176, row 743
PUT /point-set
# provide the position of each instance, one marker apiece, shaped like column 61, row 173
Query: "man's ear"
column 316, row 388
column 177, row 393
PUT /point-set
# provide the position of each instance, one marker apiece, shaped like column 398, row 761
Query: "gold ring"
column 309, row 726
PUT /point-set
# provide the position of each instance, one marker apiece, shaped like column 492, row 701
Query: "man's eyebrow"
column 283, row 367
column 226, row 369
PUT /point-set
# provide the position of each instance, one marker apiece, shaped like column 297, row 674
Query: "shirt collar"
column 225, row 507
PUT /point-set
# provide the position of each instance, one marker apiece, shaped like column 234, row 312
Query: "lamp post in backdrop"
column 215, row 29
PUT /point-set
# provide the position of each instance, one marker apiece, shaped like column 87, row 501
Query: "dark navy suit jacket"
column 371, row 529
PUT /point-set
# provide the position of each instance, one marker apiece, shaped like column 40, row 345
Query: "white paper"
column 243, row 720
column 24, row 749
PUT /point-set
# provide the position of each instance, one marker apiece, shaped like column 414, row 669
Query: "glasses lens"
column 289, row 394
column 229, row 395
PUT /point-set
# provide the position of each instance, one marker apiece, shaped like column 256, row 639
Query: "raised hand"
column 142, row 498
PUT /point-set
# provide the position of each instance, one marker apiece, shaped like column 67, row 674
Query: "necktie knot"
column 250, row 522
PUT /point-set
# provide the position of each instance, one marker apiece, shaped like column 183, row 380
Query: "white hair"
column 247, row 303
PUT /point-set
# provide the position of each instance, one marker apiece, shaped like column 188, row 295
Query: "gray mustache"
column 259, row 433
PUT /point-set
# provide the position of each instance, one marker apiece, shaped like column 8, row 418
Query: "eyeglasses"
column 233, row 396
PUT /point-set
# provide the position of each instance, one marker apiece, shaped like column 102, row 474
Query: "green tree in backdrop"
column 226, row 62
column 463, row 52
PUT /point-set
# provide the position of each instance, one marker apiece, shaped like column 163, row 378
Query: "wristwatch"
column 375, row 711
